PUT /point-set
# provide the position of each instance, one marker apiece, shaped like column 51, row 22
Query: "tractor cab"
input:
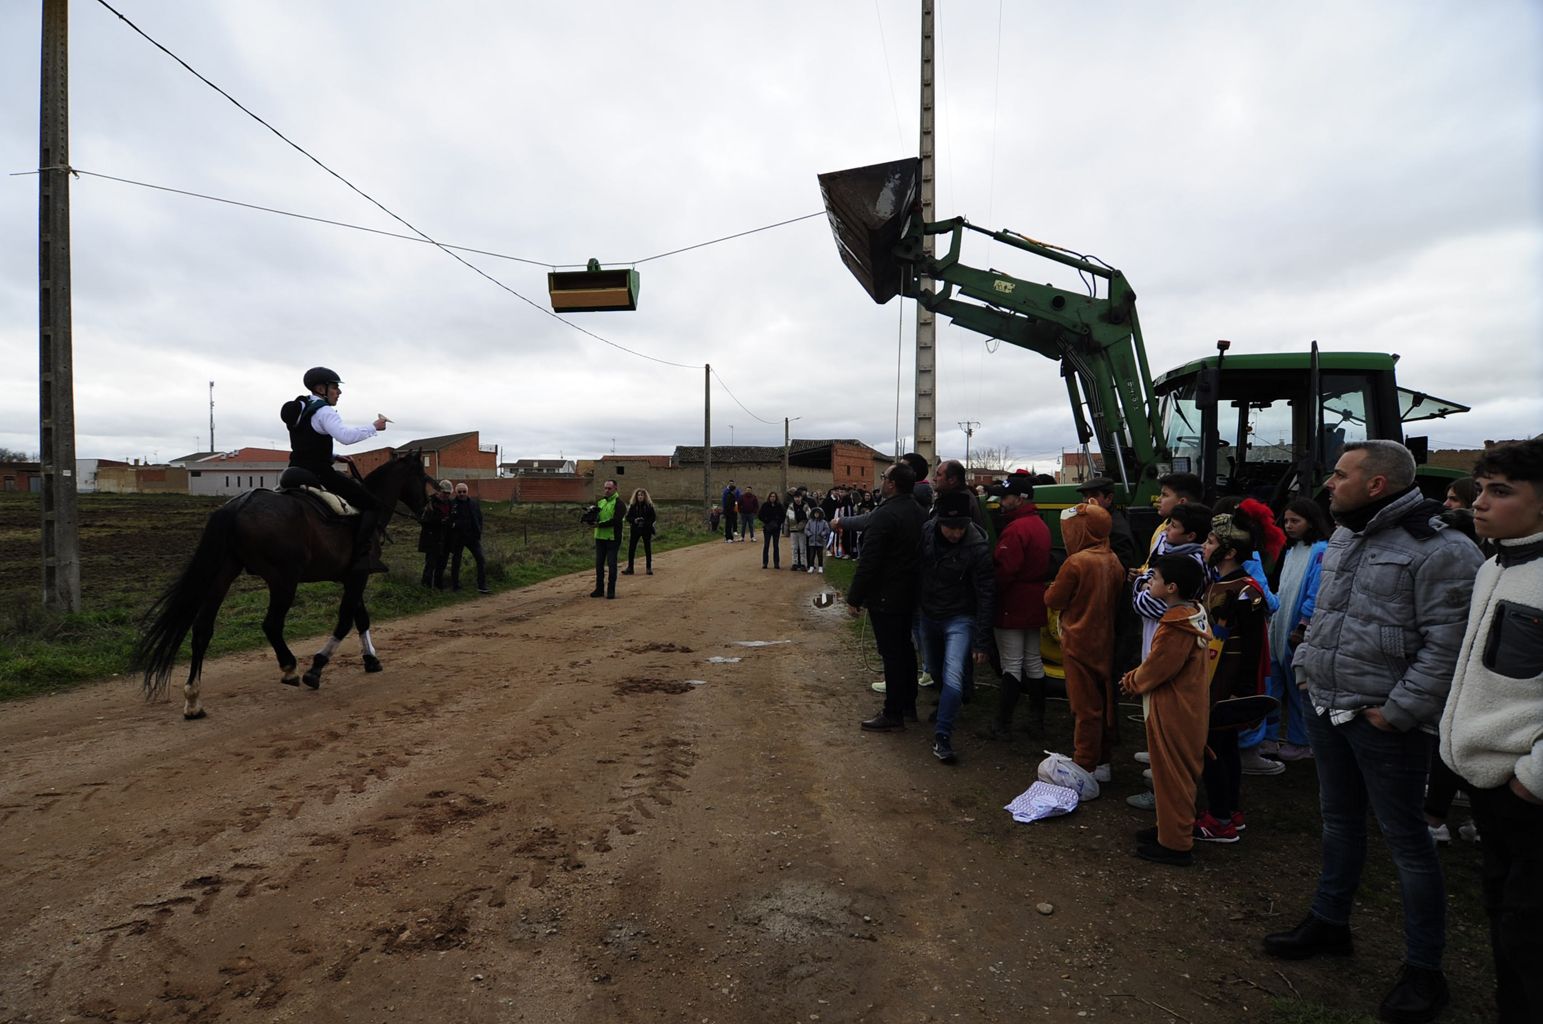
column 1271, row 426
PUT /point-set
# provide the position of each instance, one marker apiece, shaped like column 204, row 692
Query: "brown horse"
column 287, row 540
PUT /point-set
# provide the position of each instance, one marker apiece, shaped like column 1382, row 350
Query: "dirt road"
column 533, row 814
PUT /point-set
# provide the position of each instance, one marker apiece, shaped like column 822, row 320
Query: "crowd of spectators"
column 1384, row 650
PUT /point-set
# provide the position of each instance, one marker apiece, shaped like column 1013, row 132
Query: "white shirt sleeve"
column 327, row 421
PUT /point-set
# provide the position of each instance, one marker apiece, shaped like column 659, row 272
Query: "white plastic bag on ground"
column 1042, row 800
column 1060, row 770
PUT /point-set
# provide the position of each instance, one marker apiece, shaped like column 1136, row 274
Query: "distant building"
column 21, row 476
column 539, row 467
column 234, row 472
column 449, row 456
column 818, row 465
column 86, row 472
column 1076, row 468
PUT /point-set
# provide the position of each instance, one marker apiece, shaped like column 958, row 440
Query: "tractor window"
column 1182, row 418
column 1345, row 405
column 1269, row 432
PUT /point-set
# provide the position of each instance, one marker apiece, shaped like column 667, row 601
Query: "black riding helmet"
column 318, row 375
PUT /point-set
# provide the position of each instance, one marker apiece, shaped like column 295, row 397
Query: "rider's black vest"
column 307, row 448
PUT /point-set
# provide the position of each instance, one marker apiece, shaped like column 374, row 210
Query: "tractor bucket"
column 869, row 208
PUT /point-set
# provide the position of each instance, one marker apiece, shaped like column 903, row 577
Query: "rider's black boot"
column 365, row 558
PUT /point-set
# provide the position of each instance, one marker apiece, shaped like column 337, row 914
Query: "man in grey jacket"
column 1377, row 664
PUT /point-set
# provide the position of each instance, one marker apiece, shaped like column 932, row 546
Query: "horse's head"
column 403, row 479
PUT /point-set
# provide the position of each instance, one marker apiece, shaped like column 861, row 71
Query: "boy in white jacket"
column 1492, row 726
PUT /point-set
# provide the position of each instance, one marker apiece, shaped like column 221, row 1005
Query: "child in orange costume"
column 1172, row 684
column 1086, row 590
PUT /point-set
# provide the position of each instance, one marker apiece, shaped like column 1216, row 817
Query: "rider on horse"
column 313, row 424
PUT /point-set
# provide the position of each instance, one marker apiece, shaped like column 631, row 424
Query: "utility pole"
column 785, row 423
column 707, row 433
column 56, row 379
column 968, row 426
column 926, row 325
column 211, row 416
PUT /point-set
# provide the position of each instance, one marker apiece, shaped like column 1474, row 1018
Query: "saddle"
column 302, row 483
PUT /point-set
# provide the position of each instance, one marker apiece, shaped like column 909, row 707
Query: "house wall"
column 232, row 477
column 141, row 480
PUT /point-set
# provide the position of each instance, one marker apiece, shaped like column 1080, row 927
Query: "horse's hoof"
column 195, row 716
column 290, row 680
column 313, row 680
column 372, row 664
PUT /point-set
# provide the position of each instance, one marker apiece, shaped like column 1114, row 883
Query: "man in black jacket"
column 885, row 584
column 466, row 535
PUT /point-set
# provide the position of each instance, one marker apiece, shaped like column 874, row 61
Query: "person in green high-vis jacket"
column 608, row 521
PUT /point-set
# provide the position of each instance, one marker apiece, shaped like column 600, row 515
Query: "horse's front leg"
column 362, row 624
column 353, row 592
column 281, row 596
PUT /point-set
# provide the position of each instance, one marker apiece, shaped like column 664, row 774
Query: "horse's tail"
column 166, row 624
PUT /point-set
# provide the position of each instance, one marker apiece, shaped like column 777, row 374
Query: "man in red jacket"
column 1022, row 558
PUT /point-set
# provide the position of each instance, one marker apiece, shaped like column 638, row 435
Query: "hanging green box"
column 592, row 290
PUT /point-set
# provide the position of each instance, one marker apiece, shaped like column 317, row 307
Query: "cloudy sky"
column 1366, row 174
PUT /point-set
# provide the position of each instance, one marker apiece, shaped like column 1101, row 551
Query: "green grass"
column 132, row 546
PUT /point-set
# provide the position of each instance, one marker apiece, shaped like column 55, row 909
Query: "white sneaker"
column 879, row 687
column 1440, row 833
column 1103, row 773
column 1255, row 764
column 810, row 569
column 1146, row 773
column 1143, row 757
column 1468, row 832
column 1143, row 801
column 924, row 680
column 822, row 570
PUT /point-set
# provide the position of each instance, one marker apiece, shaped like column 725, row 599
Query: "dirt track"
column 532, row 815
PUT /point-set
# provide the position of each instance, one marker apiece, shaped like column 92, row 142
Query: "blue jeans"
column 948, row 644
column 1359, row 765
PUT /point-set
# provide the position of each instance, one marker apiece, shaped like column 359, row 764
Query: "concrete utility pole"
column 56, row 379
column 785, row 424
column 707, row 433
column 211, row 416
column 926, row 325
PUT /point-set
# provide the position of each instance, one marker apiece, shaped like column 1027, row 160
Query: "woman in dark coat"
column 434, row 537
column 641, row 517
column 771, row 515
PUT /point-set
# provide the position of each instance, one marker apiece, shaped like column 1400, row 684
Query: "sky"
column 1368, row 175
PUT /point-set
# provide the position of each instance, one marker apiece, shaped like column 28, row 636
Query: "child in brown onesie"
column 1086, row 589
column 1172, row 684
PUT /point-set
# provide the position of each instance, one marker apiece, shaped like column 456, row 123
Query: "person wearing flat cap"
column 1100, row 491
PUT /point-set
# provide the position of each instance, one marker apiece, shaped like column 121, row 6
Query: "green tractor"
column 1267, row 426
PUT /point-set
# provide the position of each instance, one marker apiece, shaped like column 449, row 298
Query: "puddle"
column 760, row 643
column 825, row 599
column 719, row 659
column 696, row 682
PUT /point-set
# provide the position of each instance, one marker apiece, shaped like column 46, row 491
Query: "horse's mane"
column 414, row 455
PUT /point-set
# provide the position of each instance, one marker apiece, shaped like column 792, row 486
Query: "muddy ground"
column 552, row 808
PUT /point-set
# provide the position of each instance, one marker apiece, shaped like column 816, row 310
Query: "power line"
column 422, row 236
column 448, row 252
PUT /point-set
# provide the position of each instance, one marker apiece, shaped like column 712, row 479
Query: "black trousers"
column 730, row 523
column 647, row 537
column 605, row 559
column 347, row 488
column 1512, row 830
column 1223, row 774
column 892, row 635
column 474, row 545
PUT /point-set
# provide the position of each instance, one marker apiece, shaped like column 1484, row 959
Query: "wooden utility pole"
column 211, row 417
column 56, row 379
column 785, row 424
column 707, row 433
column 925, row 440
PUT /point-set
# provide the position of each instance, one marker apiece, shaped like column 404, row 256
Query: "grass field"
column 133, row 545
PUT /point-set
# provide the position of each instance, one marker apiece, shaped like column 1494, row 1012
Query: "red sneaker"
column 1209, row 830
column 1238, row 825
